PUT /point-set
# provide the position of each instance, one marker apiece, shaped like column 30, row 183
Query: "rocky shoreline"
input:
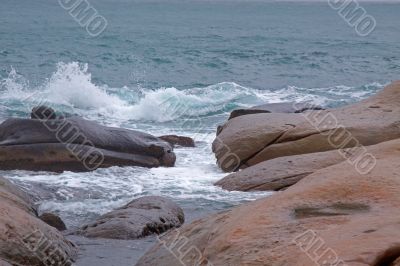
column 339, row 172
column 335, row 173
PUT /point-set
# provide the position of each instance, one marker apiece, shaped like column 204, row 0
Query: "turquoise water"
column 208, row 57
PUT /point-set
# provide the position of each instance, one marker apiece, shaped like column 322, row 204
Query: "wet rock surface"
column 53, row 220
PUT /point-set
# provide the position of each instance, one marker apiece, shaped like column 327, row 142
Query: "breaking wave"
column 71, row 89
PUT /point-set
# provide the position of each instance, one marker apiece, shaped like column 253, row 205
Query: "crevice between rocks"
column 388, row 257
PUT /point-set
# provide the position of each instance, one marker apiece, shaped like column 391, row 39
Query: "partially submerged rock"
column 286, row 107
column 75, row 144
column 53, row 220
column 139, row 218
column 335, row 216
column 247, row 140
column 24, row 239
column 178, row 140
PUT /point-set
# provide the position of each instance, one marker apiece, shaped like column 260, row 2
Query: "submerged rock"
column 248, row 140
column 334, row 216
column 139, row 218
column 53, row 220
column 75, row 144
column 178, row 140
column 24, row 239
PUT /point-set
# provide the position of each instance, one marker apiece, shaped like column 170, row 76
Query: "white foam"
column 71, row 88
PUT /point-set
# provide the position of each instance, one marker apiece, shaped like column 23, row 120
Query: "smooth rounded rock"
column 24, row 239
column 336, row 215
column 75, row 144
column 255, row 138
column 139, row 218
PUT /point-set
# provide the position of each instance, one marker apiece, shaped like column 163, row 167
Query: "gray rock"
column 139, row 218
column 288, row 107
column 53, row 220
column 178, row 140
column 75, row 144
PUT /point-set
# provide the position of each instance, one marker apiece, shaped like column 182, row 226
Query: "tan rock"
column 279, row 173
column 335, row 216
column 15, row 196
column 24, row 239
column 255, row 138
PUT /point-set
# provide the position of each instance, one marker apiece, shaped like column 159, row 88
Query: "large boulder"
column 139, row 218
column 247, row 140
column 285, row 107
column 280, row 173
column 76, row 144
column 335, row 216
column 24, row 239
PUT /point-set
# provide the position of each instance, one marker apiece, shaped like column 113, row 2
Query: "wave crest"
column 71, row 89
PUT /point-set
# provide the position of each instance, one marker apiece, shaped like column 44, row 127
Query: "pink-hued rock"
column 260, row 137
column 24, row 239
column 279, row 173
column 334, row 216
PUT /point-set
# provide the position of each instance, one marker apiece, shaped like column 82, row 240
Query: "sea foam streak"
column 71, row 89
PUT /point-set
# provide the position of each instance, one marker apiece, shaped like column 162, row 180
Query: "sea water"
column 208, row 56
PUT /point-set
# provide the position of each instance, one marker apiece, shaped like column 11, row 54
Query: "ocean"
column 205, row 57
